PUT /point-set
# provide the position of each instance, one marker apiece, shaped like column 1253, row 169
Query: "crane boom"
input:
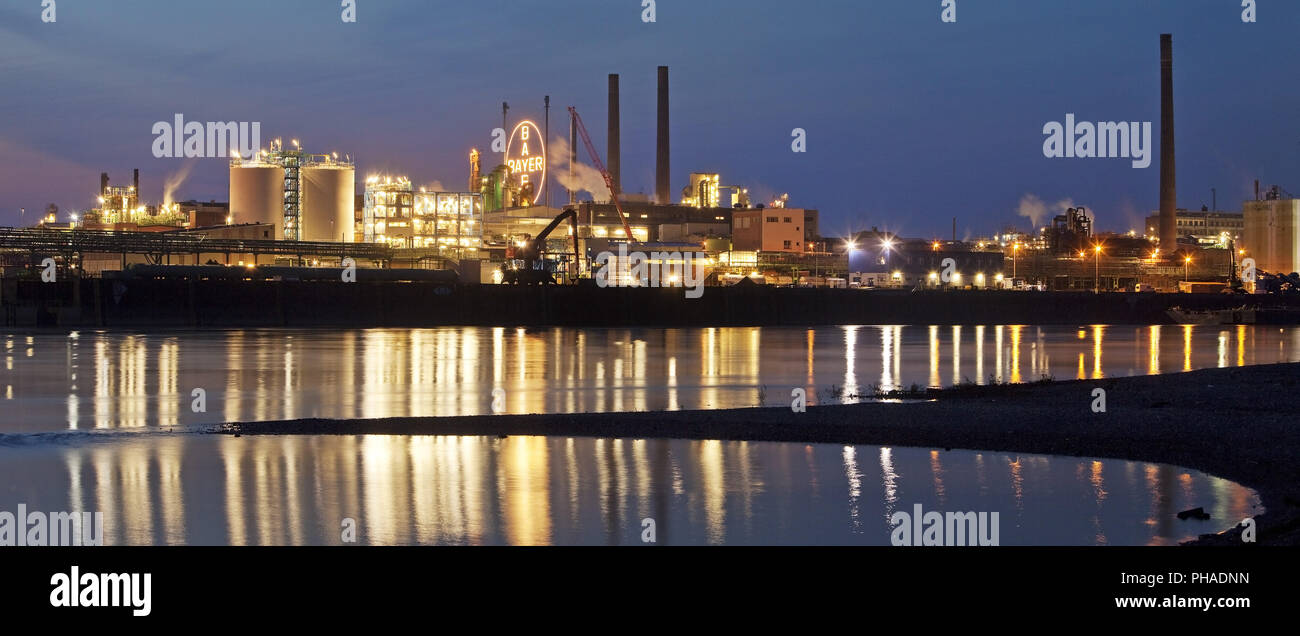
column 609, row 181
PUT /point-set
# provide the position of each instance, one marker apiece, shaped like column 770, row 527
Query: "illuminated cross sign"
column 526, row 157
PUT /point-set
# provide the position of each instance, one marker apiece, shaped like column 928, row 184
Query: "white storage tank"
column 328, row 202
column 257, row 195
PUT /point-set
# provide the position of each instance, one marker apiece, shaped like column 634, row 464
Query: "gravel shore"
column 1241, row 424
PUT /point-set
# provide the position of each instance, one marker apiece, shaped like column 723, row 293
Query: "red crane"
column 609, row 181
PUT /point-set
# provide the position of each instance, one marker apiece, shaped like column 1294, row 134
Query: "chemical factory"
column 288, row 207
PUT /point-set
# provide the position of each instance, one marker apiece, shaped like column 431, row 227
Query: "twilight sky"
column 910, row 121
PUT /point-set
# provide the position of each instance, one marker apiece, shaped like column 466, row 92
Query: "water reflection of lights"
column 855, row 486
column 139, row 381
column 530, row 490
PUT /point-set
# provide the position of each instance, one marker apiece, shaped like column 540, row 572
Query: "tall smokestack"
column 103, row 183
column 573, row 156
column 612, row 152
column 1168, row 187
column 663, row 170
column 135, row 181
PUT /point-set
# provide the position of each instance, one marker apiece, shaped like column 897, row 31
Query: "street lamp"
column 1187, row 264
column 1096, row 277
column 1015, row 247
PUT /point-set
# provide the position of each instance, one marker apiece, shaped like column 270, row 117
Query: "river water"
column 112, row 421
column 114, row 380
column 276, row 490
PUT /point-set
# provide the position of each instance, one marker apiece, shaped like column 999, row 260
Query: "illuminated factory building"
column 117, row 204
column 1272, row 232
column 704, row 192
column 400, row 216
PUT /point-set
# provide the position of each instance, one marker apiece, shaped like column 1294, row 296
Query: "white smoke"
column 585, row 178
column 175, row 179
column 1037, row 210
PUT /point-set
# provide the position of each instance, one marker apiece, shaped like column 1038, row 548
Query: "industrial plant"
column 290, row 208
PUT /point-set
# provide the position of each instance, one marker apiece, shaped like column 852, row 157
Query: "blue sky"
column 910, row 121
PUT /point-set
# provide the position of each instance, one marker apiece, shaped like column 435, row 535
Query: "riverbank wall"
column 143, row 302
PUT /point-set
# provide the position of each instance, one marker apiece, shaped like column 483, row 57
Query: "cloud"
column 175, row 179
column 1037, row 211
column 585, row 178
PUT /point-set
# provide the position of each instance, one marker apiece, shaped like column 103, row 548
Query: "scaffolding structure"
column 159, row 245
column 398, row 215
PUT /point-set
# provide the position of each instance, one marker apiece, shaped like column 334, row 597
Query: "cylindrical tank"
column 328, row 203
column 257, row 195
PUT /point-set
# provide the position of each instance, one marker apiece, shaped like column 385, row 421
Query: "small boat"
column 1238, row 316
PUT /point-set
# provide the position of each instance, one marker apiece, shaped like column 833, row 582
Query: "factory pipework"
column 1168, row 186
column 613, row 152
column 663, row 173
